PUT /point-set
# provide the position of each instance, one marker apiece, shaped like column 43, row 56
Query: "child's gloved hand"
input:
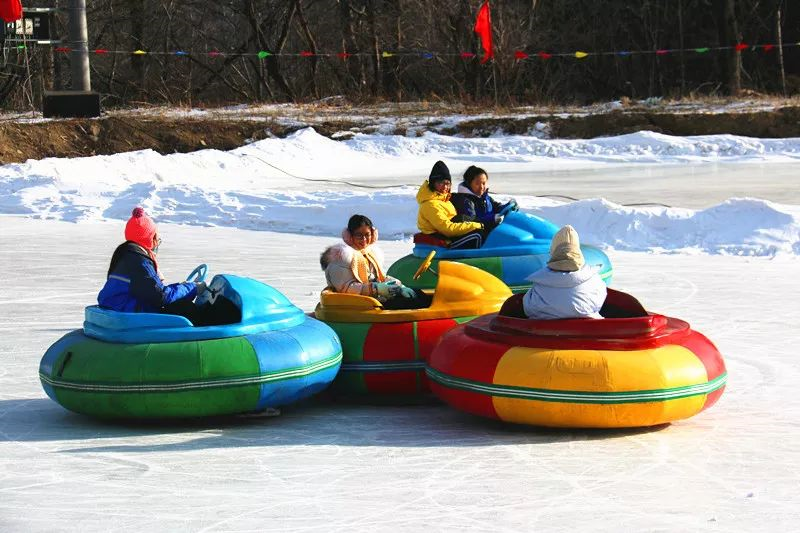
column 498, row 219
column 407, row 292
column 513, row 205
column 387, row 289
column 200, row 286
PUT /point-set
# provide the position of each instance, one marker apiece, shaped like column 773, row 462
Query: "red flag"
column 483, row 27
column 10, row 10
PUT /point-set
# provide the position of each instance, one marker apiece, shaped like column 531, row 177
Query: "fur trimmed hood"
column 343, row 254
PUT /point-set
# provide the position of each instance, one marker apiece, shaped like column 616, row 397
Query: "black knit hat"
column 439, row 172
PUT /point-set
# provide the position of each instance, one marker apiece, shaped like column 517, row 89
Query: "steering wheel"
column 199, row 273
column 509, row 207
column 426, row 264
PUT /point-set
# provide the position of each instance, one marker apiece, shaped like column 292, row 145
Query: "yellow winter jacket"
column 435, row 212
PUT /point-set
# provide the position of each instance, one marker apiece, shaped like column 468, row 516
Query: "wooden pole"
column 780, row 50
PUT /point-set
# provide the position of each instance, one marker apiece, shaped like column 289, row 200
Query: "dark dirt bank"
column 175, row 132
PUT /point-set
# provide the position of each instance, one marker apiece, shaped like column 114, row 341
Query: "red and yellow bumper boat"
column 630, row 369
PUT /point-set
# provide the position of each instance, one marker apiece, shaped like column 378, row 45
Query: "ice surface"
column 344, row 467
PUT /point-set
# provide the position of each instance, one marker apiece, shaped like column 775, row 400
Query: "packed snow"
column 723, row 255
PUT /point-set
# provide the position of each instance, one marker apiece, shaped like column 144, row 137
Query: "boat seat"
column 431, row 239
column 620, row 304
column 331, row 299
column 513, row 307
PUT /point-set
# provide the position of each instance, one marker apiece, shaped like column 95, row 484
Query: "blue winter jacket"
column 473, row 208
column 133, row 284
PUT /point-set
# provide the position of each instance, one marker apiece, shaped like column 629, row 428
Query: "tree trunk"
column 312, row 45
column 729, row 36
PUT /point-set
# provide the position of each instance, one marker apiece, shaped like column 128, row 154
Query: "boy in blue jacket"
column 134, row 283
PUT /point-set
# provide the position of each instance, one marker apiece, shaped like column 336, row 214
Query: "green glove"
column 386, row 289
column 407, row 292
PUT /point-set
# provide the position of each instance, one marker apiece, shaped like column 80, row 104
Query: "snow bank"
column 276, row 184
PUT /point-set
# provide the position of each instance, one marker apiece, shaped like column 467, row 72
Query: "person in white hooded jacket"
column 356, row 266
column 567, row 287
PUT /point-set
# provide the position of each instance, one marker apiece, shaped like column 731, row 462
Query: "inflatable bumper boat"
column 640, row 369
column 512, row 252
column 385, row 350
column 148, row 365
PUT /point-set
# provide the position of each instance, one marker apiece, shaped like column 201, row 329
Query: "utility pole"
column 79, row 43
column 79, row 101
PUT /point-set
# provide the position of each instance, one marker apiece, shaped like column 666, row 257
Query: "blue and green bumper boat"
column 513, row 251
column 147, row 365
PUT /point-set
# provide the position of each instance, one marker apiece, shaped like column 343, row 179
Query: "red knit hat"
column 140, row 229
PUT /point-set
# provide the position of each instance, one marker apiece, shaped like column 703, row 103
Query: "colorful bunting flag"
column 520, row 55
column 580, row 55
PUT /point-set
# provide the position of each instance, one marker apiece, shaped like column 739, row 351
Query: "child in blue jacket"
column 134, row 283
column 472, row 201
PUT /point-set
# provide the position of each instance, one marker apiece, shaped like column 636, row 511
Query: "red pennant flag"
column 306, row 53
column 343, row 55
column 10, row 10
column 483, row 27
column 768, row 47
column 662, row 52
column 544, row 55
column 741, row 46
column 467, row 55
column 520, row 55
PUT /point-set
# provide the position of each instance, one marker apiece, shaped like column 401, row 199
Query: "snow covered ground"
column 323, row 467
column 729, row 267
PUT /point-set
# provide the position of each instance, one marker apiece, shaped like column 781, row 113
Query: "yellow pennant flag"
column 581, row 55
column 386, row 54
column 139, row 52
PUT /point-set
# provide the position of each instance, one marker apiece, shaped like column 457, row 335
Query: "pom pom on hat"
column 140, row 228
column 565, row 251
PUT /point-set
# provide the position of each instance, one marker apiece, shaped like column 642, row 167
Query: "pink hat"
column 140, row 229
